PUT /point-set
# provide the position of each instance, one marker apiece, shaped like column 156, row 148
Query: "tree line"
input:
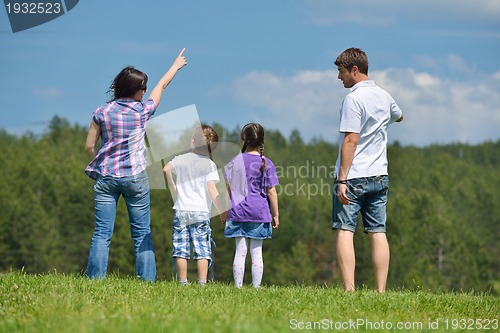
column 443, row 213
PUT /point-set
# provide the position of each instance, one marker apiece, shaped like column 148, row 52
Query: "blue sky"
column 265, row 61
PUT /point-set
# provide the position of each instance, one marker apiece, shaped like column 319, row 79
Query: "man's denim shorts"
column 198, row 232
column 368, row 196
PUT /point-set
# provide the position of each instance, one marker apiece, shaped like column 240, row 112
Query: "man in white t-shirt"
column 361, row 176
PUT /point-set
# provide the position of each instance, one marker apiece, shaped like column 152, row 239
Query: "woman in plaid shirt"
column 119, row 167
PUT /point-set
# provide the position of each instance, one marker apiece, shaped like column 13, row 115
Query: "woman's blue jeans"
column 135, row 192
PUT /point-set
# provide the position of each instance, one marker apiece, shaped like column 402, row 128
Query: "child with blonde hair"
column 194, row 189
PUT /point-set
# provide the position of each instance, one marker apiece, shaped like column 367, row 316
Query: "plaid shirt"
column 123, row 126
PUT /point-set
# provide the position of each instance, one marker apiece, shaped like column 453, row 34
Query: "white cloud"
column 307, row 101
column 437, row 109
column 387, row 12
column 441, row 110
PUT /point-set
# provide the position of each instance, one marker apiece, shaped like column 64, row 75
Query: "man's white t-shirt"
column 193, row 172
column 367, row 110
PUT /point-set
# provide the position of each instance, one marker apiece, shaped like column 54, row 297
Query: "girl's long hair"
column 252, row 135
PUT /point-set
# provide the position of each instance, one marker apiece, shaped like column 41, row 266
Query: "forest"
column 443, row 214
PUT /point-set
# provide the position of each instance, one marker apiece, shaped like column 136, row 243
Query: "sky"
column 264, row 61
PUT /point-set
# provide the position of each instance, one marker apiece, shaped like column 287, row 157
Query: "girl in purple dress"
column 251, row 179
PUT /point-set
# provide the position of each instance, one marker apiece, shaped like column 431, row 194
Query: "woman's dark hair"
column 252, row 135
column 128, row 82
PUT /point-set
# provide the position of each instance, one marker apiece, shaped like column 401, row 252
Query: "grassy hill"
column 70, row 303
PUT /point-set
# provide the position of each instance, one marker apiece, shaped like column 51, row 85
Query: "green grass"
column 69, row 303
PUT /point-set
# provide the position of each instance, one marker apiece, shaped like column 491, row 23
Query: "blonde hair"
column 205, row 140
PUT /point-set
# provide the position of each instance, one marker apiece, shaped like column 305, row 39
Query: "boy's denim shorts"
column 368, row 196
column 198, row 232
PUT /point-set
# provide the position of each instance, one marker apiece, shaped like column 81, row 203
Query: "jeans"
column 368, row 196
column 135, row 192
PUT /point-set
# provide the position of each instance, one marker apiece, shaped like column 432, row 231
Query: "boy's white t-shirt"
column 193, row 172
column 367, row 110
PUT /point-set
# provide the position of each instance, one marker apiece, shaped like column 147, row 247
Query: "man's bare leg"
column 380, row 258
column 346, row 258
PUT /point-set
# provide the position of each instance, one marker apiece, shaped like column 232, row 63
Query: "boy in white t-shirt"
column 194, row 190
